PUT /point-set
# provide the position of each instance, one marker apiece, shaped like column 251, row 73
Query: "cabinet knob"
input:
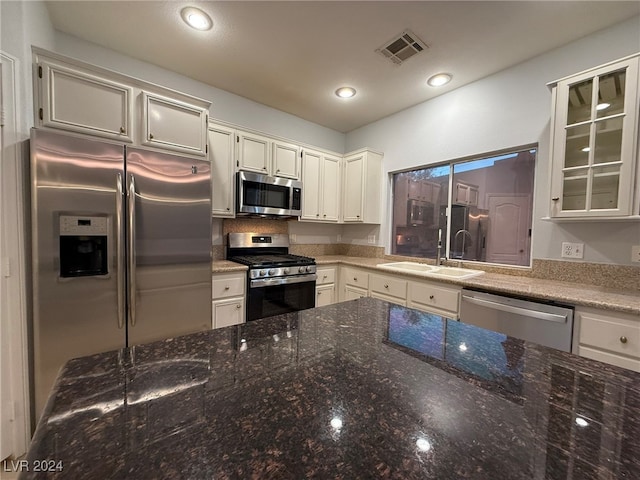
column 555, row 199
column 324, row 215
column 278, row 171
column 238, row 306
column 227, row 287
column 151, row 136
column 386, row 286
column 319, row 293
column 357, row 216
column 355, row 279
column 122, row 130
column 264, row 168
column 623, row 339
column 324, row 276
column 228, row 209
column 431, row 297
column 317, row 214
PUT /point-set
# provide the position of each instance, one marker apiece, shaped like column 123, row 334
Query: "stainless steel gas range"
column 277, row 281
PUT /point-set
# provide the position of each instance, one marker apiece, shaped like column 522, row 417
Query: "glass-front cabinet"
column 594, row 145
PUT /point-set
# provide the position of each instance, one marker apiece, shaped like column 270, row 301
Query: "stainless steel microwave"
column 264, row 195
column 420, row 213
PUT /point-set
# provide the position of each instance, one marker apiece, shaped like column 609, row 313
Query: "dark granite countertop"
column 360, row 389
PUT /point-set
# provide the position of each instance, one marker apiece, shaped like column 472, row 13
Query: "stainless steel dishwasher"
column 549, row 325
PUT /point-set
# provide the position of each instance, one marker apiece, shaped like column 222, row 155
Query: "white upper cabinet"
column 174, row 125
column 89, row 100
column 253, row 153
column 362, row 187
column 594, row 142
column 321, row 184
column 260, row 154
column 286, row 160
column 72, row 99
column 221, row 153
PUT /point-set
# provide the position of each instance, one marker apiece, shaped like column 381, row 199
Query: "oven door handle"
column 268, row 282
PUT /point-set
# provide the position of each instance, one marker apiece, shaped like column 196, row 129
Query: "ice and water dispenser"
column 83, row 246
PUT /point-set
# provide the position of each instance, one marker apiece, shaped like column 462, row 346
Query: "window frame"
column 446, row 237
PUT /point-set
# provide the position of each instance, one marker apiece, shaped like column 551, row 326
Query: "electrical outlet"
column 635, row 253
column 338, row 238
column 371, row 239
column 292, row 238
column 572, row 250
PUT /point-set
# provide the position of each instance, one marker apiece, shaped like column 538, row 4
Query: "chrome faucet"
column 455, row 240
column 439, row 258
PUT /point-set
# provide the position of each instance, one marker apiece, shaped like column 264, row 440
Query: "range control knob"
column 301, row 269
column 271, row 271
column 261, row 273
column 285, row 270
column 309, row 269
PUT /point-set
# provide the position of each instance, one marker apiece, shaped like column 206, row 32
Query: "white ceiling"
column 293, row 55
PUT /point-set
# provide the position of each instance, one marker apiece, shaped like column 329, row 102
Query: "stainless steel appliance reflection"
column 121, row 241
column 469, row 227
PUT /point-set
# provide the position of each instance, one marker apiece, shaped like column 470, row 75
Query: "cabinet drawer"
column 613, row 334
column 439, row 298
column 389, row 286
column 228, row 285
column 610, row 358
column 357, row 278
column 326, row 275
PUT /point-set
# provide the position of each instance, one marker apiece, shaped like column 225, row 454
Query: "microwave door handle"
column 119, row 252
column 131, row 246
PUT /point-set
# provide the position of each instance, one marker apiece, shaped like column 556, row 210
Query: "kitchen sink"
column 431, row 270
column 408, row 267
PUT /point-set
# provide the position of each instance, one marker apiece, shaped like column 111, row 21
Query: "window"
column 481, row 209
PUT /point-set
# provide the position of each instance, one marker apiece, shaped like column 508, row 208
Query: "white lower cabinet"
column 353, row 293
column 228, row 305
column 434, row 298
column 609, row 337
column 325, row 286
column 389, row 288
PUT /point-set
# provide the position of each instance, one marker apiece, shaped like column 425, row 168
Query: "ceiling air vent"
column 402, row 47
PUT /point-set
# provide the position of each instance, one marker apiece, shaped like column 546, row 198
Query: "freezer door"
column 169, row 245
column 75, row 269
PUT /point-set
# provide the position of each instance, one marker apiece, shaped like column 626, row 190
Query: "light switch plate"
column 572, row 250
column 371, row 239
column 635, row 253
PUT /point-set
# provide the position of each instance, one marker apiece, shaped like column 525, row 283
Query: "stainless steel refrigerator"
column 469, row 227
column 121, row 249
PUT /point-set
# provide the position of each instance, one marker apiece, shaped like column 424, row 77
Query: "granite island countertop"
column 359, row 389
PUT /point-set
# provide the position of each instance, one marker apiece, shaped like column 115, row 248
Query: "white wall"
column 226, row 106
column 509, row 109
column 22, row 23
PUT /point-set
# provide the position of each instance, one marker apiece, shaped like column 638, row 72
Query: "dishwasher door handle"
column 550, row 317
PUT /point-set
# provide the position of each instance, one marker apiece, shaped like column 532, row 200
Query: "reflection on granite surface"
column 361, row 389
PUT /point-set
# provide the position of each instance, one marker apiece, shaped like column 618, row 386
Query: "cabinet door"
column 311, row 185
column 353, row 293
column 594, row 142
column 325, row 295
column 222, row 145
column 286, row 160
column 353, row 188
column 173, row 125
column 81, row 102
column 253, row 153
column 330, row 192
column 228, row 312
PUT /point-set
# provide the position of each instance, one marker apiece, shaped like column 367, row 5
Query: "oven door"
column 273, row 296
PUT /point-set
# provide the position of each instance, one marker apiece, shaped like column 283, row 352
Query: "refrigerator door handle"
column 131, row 247
column 119, row 251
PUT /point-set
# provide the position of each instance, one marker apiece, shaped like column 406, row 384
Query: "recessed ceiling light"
column 196, row 18
column 603, row 106
column 345, row 92
column 439, row 79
